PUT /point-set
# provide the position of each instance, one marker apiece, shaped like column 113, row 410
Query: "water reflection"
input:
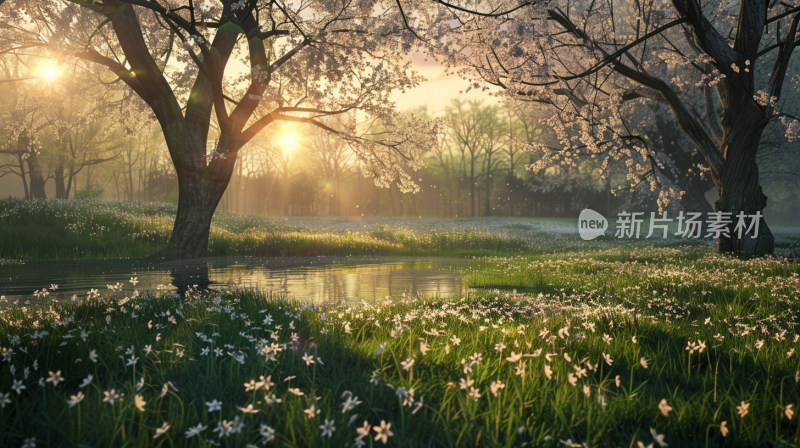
column 192, row 275
column 310, row 279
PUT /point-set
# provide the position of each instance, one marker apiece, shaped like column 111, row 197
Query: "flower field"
column 616, row 347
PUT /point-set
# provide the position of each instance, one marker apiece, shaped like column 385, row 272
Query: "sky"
column 439, row 88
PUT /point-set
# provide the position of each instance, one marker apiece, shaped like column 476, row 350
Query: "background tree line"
column 479, row 167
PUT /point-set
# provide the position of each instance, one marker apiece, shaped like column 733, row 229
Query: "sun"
column 287, row 141
column 49, row 71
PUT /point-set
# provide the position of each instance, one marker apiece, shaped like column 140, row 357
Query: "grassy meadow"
column 557, row 344
column 81, row 229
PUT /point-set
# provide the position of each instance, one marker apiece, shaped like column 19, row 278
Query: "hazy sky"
column 439, row 88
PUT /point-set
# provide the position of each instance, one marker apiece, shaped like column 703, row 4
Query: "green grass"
column 587, row 339
column 85, row 229
column 562, row 312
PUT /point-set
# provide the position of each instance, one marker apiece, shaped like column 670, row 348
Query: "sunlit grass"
column 57, row 229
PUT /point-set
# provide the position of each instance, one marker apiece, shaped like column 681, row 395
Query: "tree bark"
column 61, row 187
column 199, row 193
column 739, row 186
column 37, row 180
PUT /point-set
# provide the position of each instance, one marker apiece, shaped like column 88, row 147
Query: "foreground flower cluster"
column 665, row 353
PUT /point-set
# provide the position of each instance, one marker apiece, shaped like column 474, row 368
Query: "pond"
column 306, row 279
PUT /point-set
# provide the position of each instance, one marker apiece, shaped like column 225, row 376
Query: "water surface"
column 306, row 279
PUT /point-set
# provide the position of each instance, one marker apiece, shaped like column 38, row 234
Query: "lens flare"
column 49, row 71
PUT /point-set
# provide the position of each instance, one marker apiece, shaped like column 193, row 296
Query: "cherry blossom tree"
column 215, row 73
column 718, row 68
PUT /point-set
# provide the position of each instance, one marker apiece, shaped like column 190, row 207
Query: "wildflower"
column 272, row 399
column 789, row 411
column 380, row 349
column 30, row 442
column 664, row 407
column 161, row 430
column 17, row 386
column 296, row 391
column 266, row 383
column 55, row 378
column 617, row 380
column 75, row 399
column 548, row 372
column 514, row 357
column 407, row 363
column 350, row 403
column 267, row 433
column 249, row 409
column 308, row 359
column 363, row 430
column 195, row 430
column 743, row 409
column 140, row 403
column 572, row 379
column 659, row 438
column 643, row 362
column 723, row 428
column 608, row 359
column 423, row 348
column 111, row 396
column 214, row 405
column 93, row 355
column 4, row 400
column 312, row 411
column 383, row 431
column 496, row 386
column 225, row 428
column 327, row 428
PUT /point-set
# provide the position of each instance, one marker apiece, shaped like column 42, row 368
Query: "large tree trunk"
column 199, row 193
column 739, row 187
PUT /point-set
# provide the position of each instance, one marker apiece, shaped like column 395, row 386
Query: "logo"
column 591, row 224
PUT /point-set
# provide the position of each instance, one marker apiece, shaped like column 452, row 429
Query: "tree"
column 492, row 142
column 467, row 122
column 333, row 156
column 174, row 57
column 21, row 118
column 628, row 54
